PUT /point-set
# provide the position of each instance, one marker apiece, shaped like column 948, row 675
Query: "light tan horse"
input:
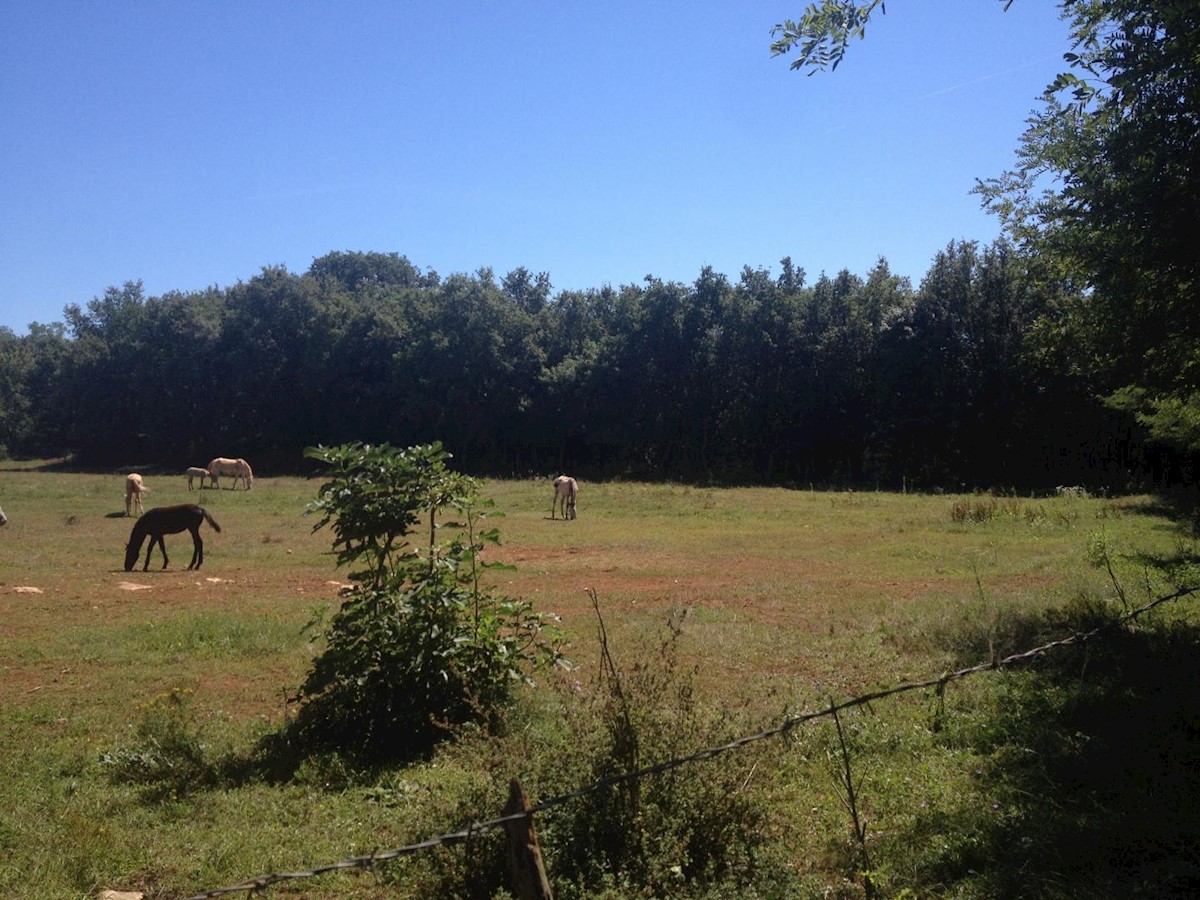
column 133, row 493
column 197, row 472
column 565, row 490
column 235, row 468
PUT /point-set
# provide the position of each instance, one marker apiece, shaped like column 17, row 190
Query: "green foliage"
column 1089, row 758
column 667, row 835
column 169, row 756
column 850, row 380
column 418, row 648
column 824, row 32
column 374, row 498
column 1174, row 418
column 1104, row 193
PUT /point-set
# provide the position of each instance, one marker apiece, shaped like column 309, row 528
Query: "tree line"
column 847, row 380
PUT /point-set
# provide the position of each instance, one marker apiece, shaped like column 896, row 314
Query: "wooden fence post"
column 524, row 854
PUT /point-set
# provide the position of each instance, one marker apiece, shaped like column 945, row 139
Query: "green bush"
column 418, row 648
column 168, row 757
column 677, row 833
column 697, row 830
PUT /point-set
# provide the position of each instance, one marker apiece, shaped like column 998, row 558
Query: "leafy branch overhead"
column 823, row 34
column 1102, row 197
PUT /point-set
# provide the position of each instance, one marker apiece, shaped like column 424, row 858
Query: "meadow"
column 726, row 608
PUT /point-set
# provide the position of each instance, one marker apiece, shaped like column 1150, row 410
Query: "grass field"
column 791, row 598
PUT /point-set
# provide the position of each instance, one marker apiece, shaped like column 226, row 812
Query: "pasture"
column 791, row 598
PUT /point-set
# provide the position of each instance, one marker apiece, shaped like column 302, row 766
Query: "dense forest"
column 848, row 380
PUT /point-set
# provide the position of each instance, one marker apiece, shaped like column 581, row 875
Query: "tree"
column 29, row 383
column 419, row 647
column 470, row 368
column 1104, row 193
column 106, row 376
column 955, row 390
column 1106, row 188
column 360, row 272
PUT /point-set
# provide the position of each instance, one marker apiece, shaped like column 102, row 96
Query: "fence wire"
column 369, row 862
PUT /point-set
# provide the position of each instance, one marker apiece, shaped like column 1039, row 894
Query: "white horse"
column 197, row 472
column 235, row 468
column 133, row 493
column 3, row 518
column 565, row 490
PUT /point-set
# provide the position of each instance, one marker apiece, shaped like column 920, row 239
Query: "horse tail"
column 211, row 521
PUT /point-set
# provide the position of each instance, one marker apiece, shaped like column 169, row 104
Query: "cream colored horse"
column 565, row 490
column 197, row 472
column 235, row 468
column 133, row 493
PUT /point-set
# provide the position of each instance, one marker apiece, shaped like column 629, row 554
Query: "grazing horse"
column 133, row 493
column 168, row 520
column 3, row 518
column 237, row 468
column 197, row 472
column 565, row 489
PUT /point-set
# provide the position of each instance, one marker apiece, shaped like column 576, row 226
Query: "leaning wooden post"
column 524, row 854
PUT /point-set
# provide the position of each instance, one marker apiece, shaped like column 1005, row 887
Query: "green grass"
column 792, row 598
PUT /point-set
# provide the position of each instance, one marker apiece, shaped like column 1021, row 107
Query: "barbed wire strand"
column 788, row 724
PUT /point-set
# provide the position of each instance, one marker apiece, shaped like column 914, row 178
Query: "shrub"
column 700, row 824
column 418, row 648
column 973, row 510
column 169, row 756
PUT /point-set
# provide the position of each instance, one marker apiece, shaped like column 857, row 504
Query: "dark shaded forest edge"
column 848, row 380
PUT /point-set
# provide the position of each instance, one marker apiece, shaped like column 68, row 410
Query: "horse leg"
column 162, row 545
column 197, row 549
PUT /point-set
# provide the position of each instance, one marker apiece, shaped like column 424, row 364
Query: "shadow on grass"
column 1090, row 775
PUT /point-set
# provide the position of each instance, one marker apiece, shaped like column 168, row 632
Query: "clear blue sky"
column 191, row 144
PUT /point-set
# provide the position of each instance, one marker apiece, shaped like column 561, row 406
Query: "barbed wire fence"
column 371, row 861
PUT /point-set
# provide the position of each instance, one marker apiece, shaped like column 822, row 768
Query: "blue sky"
column 191, row 144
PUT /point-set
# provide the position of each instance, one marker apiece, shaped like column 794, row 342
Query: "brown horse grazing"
column 168, row 520
column 565, row 490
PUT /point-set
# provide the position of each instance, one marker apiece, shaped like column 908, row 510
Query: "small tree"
column 419, row 647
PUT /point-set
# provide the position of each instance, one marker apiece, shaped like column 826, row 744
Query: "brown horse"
column 168, row 520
